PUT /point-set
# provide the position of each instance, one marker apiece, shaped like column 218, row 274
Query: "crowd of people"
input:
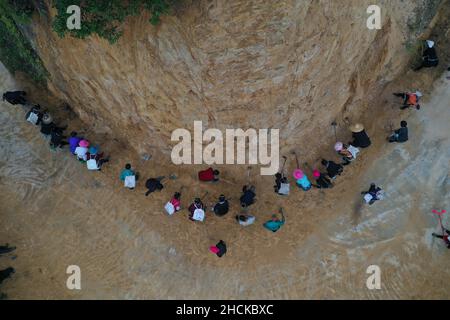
column 89, row 154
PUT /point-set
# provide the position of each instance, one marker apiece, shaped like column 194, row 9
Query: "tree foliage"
column 16, row 52
column 104, row 17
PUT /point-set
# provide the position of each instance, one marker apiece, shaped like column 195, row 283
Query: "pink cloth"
column 176, row 203
column 316, row 174
column 214, row 249
column 298, row 174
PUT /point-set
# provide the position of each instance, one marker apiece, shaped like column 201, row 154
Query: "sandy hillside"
column 58, row 214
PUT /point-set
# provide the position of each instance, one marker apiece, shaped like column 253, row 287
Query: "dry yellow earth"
column 58, row 214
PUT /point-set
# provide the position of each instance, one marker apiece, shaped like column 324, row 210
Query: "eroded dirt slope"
column 57, row 214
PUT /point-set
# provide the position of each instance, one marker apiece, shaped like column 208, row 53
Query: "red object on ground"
column 206, row 175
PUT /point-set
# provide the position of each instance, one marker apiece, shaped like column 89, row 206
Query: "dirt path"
column 57, row 214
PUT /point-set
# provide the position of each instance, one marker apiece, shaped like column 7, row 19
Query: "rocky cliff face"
column 292, row 65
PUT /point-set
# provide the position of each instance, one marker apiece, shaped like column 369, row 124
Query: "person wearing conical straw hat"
column 360, row 137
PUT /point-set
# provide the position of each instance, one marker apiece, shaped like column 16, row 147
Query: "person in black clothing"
column 333, row 169
column 6, row 249
column 6, row 273
column 15, row 97
column 219, row 249
column 48, row 126
column 58, row 140
column 248, row 196
column 400, row 135
column 429, row 56
column 221, row 208
column 360, row 137
column 373, row 192
column 153, row 184
column 322, row 181
column 278, row 178
column 444, row 237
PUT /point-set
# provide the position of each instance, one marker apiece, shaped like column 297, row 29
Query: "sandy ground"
column 59, row 214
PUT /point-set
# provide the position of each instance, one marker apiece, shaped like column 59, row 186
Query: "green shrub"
column 101, row 17
column 16, row 52
column 104, row 17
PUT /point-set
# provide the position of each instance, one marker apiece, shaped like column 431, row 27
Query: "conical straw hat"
column 358, row 127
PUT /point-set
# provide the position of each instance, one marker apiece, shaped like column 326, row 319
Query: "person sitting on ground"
column 373, row 194
column 176, row 201
column 245, row 219
column 322, row 181
column 410, row 99
column 333, row 169
column 360, row 137
column 197, row 210
column 174, row 205
column 219, row 249
column 444, row 237
column 221, row 208
column 15, row 97
column 57, row 139
column 82, row 150
column 275, row 224
column 34, row 115
column 95, row 159
column 6, row 273
column 302, row 180
column 73, row 141
column 429, row 56
column 278, row 178
column 47, row 125
column 282, row 185
column 348, row 152
column 209, row 175
column 6, row 249
column 248, row 196
column 129, row 177
column 400, row 135
column 153, row 184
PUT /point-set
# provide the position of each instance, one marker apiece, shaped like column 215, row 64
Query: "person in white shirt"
column 81, row 153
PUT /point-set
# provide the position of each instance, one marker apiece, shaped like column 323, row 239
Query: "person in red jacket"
column 209, row 175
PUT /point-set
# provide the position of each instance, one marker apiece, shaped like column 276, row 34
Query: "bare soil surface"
column 58, row 214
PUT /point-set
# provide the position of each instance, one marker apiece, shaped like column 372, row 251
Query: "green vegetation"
column 101, row 17
column 16, row 52
column 104, row 17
